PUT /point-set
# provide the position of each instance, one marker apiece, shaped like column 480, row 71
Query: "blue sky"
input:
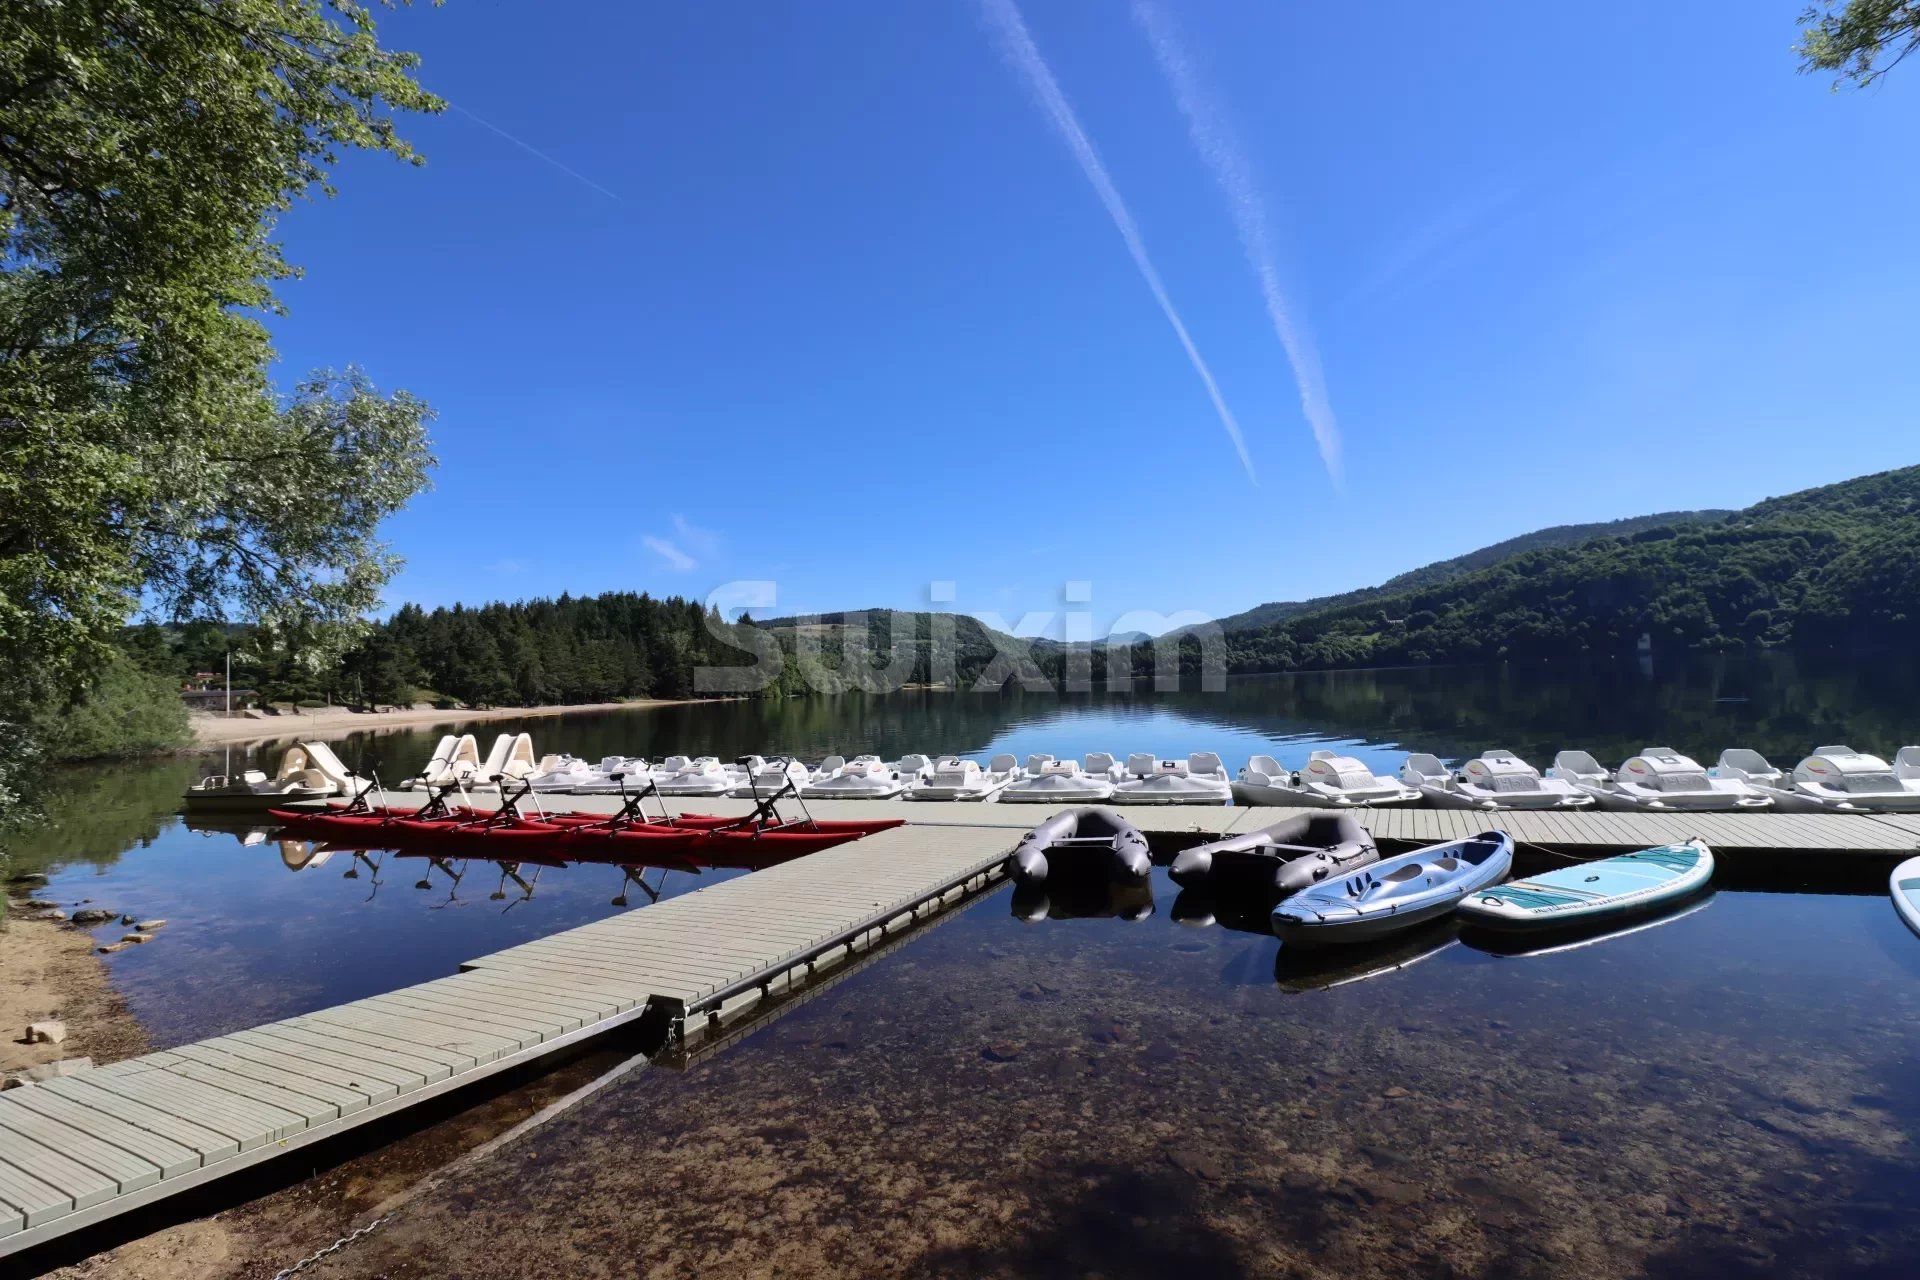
column 821, row 294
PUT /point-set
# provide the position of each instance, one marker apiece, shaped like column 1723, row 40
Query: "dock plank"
column 126, row 1171
column 210, row 1145
column 169, row 1157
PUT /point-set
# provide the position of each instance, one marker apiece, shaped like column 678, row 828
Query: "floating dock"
column 1578, row 831
column 79, row 1150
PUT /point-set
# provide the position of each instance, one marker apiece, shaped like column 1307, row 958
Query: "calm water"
column 1129, row 1086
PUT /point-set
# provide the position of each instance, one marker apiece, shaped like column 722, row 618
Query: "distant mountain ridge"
column 1834, row 566
column 1560, row 535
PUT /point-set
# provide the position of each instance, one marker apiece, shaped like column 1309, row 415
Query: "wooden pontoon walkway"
column 81, row 1149
column 1578, row 831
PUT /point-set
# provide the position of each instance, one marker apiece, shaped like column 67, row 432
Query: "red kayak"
column 708, row 822
column 592, row 837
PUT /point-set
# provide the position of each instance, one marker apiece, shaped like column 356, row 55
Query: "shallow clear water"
column 1120, row 1086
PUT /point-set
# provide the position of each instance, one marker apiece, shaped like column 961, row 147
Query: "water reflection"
column 349, row 924
column 1554, row 941
column 1779, row 704
column 1082, row 897
column 1124, row 1099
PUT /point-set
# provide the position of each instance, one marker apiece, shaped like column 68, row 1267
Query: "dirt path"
column 214, row 731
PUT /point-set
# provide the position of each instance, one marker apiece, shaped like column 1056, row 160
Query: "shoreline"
column 330, row 725
column 54, row 974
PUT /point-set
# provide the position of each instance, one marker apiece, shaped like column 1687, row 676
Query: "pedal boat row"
column 1834, row 779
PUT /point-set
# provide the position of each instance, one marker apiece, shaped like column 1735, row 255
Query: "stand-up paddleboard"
column 1905, row 887
column 1594, row 891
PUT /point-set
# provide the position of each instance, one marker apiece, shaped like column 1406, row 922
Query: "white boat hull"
column 1196, row 793
column 1077, row 793
column 255, row 801
column 1450, row 798
column 1309, row 797
column 978, row 795
column 1621, row 801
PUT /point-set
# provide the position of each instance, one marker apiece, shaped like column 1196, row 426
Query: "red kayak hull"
column 725, row 842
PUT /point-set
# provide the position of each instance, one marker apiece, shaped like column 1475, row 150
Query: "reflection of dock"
column 82, row 1149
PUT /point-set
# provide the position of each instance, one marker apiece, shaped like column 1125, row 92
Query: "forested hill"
column 1562, row 535
column 1838, row 565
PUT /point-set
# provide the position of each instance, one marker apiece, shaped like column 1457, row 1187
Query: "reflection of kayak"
column 1511, row 945
column 1322, row 968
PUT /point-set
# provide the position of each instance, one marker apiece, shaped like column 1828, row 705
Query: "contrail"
column 1016, row 45
column 534, row 151
column 1214, row 140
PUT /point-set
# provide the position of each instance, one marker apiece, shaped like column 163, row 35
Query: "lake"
column 1129, row 1086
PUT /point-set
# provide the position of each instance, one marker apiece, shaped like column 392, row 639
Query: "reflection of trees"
column 96, row 813
column 1778, row 704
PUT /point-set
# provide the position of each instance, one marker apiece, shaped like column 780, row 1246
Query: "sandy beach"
column 215, row 731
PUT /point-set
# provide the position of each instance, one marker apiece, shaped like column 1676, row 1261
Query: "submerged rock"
column 55, row 1070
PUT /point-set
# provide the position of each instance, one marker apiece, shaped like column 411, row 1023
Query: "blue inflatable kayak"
column 1394, row 894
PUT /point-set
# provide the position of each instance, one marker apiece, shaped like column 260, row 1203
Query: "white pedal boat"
column 1493, row 780
column 759, row 778
column 1050, row 781
column 559, row 774
column 455, row 761
column 1658, row 780
column 1395, row 893
column 861, row 778
column 1842, row 779
column 510, row 760
column 700, row 776
column 1592, row 892
column 309, row 771
column 613, row 775
column 1739, row 764
column 954, row 778
column 1330, row 781
column 1199, row 779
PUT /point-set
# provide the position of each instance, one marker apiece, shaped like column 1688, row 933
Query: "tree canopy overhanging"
column 1858, row 40
column 146, row 462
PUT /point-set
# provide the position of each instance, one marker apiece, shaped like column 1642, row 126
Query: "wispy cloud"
column 675, row 558
column 1017, row 47
column 534, row 151
column 1436, row 244
column 704, row 542
column 512, row 564
column 1214, row 139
